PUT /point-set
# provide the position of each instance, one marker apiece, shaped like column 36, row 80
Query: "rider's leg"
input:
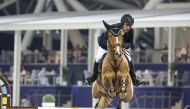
column 92, row 78
column 136, row 80
column 99, row 56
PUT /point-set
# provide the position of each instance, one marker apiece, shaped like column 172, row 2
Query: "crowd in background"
column 75, row 55
column 182, row 55
column 78, row 54
column 46, row 76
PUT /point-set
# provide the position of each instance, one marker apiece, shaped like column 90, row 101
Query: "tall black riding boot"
column 136, row 80
column 92, row 78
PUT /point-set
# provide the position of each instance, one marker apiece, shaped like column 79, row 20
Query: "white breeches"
column 127, row 53
column 101, row 52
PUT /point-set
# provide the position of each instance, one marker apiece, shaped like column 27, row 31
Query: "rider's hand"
column 132, row 47
column 126, row 45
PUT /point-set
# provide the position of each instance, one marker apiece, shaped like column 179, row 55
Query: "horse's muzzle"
column 117, row 55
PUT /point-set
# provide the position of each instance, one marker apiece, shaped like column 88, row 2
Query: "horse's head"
column 115, row 39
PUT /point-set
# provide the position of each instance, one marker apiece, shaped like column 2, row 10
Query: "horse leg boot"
column 123, row 88
column 92, row 78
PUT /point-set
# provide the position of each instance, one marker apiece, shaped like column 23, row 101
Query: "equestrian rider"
column 126, row 24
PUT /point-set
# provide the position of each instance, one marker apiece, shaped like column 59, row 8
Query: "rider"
column 126, row 23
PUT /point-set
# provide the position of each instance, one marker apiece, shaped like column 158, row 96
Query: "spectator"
column 165, row 47
column 34, row 77
column 77, row 53
column 143, row 47
column 23, row 75
column 45, row 54
column 57, row 57
column 27, row 57
column 83, row 54
column 43, row 78
column 164, row 53
column 188, row 53
column 25, row 102
column 70, row 56
column 183, row 54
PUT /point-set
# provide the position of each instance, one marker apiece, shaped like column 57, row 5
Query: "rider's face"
column 126, row 27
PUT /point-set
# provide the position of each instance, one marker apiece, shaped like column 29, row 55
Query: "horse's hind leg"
column 96, row 105
column 103, row 102
column 95, row 91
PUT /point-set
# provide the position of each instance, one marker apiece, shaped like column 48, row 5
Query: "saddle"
column 100, row 65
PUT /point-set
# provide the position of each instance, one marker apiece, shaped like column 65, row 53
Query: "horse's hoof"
column 118, row 107
column 113, row 94
column 122, row 95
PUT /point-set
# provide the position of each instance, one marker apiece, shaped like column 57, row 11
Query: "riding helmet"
column 127, row 18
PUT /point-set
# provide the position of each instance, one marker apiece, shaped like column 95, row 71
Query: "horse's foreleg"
column 110, row 86
column 103, row 102
column 129, row 92
column 119, row 104
column 123, row 88
column 111, row 89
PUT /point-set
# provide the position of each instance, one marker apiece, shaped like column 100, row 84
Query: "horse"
column 113, row 77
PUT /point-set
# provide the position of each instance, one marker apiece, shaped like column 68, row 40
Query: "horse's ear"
column 106, row 25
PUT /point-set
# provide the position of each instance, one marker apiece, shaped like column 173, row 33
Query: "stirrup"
column 90, row 80
column 89, row 83
column 138, row 81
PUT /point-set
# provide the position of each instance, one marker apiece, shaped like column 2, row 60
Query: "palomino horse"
column 114, row 78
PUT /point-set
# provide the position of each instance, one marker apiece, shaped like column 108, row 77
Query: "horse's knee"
column 107, row 79
column 108, row 76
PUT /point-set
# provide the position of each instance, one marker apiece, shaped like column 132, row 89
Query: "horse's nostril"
column 116, row 53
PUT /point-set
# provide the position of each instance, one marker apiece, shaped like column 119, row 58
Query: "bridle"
column 117, row 44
